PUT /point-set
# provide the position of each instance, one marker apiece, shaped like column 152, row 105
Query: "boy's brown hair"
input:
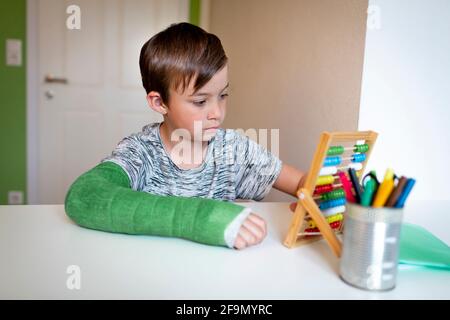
column 172, row 57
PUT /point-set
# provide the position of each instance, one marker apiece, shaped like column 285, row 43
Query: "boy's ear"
column 156, row 103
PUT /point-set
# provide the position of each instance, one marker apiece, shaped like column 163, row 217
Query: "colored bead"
column 336, row 217
column 325, row 171
column 335, row 194
column 322, row 189
column 363, row 148
column 332, row 161
column 330, row 219
column 324, row 180
column 334, row 225
column 333, row 211
column 307, row 230
column 332, row 203
column 359, row 157
column 335, row 151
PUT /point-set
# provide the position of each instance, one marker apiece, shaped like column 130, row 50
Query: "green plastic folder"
column 420, row 247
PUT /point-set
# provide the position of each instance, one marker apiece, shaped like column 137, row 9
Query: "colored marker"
column 369, row 191
column 347, row 186
column 384, row 190
column 393, row 198
column 356, row 185
column 373, row 174
column 406, row 190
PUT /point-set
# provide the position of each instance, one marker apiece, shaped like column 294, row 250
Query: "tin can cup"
column 371, row 243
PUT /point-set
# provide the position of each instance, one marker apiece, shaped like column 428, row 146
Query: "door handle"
column 51, row 79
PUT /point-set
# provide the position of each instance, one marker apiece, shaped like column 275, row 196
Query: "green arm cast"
column 102, row 199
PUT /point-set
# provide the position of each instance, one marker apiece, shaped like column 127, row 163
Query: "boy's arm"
column 290, row 180
column 102, row 199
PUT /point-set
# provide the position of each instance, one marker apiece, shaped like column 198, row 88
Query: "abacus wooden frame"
column 306, row 204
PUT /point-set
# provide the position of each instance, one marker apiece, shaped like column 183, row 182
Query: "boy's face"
column 205, row 108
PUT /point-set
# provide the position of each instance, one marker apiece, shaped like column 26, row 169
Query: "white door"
column 93, row 94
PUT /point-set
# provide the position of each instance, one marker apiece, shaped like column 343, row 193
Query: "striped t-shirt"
column 235, row 167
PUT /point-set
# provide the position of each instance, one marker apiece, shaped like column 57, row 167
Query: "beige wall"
column 295, row 65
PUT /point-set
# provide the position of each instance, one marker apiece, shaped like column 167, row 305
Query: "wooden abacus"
column 320, row 211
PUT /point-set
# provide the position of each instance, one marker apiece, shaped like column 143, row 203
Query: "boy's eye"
column 223, row 96
column 199, row 103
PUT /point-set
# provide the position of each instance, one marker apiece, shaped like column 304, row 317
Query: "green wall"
column 194, row 12
column 13, row 97
column 12, row 102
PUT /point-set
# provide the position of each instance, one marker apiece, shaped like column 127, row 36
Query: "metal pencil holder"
column 371, row 242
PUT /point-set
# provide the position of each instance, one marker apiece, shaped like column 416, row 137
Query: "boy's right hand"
column 252, row 231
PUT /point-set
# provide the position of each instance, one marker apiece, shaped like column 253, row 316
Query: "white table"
column 39, row 243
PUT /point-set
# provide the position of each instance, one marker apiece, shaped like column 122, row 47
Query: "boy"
column 156, row 183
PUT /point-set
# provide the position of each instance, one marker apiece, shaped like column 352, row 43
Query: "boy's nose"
column 215, row 112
